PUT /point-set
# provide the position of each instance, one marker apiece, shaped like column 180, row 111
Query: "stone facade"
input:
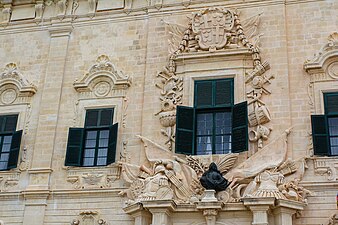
column 59, row 58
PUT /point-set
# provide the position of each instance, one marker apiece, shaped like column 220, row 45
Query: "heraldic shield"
column 212, row 28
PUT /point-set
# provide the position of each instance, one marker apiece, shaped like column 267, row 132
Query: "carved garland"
column 229, row 32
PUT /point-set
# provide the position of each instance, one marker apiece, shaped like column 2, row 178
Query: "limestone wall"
column 54, row 43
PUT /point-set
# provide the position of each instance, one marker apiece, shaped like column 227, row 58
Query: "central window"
column 95, row 144
column 214, row 125
column 9, row 142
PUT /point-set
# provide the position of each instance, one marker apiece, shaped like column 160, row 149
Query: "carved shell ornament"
column 215, row 29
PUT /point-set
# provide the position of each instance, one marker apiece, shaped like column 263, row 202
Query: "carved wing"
column 250, row 27
column 129, row 172
column 176, row 32
column 226, row 163
column 269, row 157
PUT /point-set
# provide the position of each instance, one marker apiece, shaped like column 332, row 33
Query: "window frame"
column 327, row 116
column 96, row 128
column 6, row 134
column 213, row 108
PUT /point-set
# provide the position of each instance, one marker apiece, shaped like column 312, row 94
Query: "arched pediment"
column 326, row 60
column 11, row 77
column 103, row 74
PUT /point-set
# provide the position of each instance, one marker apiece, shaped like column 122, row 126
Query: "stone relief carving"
column 6, row 13
column 39, row 8
column 167, row 176
column 14, row 85
column 92, row 6
column 333, row 220
column 326, row 167
column 8, row 180
column 103, row 79
column 89, row 217
column 61, row 7
column 215, row 29
column 93, row 178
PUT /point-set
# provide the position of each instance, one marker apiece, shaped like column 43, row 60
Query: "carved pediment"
column 326, row 60
column 101, row 78
column 13, row 84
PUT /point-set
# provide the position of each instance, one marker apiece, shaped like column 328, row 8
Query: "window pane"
column 101, row 161
column 104, row 134
column 89, row 152
column 88, row 161
column 91, row 135
column 333, row 126
column 7, row 139
column 102, row 152
column 222, row 144
column 204, row 124
column 331, row 103
column 90, row 143
column 204, row 145
column 6, row 147
column 223, row 123
column 103, row 143
column 334, row 150
column 4, row 157
column 3, row 165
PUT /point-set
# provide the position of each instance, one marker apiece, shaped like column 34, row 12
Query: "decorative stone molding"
column 39, row 8
column 92, row 6
column 228, row 34
column 8, row 180
column 92, row 178
column 61, row 6
column 323, row 66
column 103, row 79
column 326, row 166
column 6, row 13
column 333, row 220
column 13, row 85
column 89, row 217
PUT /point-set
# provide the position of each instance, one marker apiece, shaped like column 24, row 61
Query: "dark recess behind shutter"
column 112, row 143
column 331, row 103
column 185, row 117
column 320, row 135
column 74, row 147
column 15, row 150
column 106, row 117
column 91, row 118
column 203, row 93
column 10, row 125
column 239, row 128
column 223, row 92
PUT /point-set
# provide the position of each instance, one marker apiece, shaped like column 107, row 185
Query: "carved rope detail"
column 229, row 34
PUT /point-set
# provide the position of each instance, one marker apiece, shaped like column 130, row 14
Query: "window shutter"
column 15, row 150
column 185, row 130
column 106, row 117
column 10, row 125
column 112, row 143
column 74, row 147
column 239, row 137
column 320, row 135
column 224, row 92
column 203, row 93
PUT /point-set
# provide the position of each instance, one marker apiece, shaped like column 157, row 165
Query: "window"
column 10, row 140
column 214, row 125
column 325, row 127
column 95, row 144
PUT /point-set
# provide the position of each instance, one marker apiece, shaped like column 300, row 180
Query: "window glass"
column 7, row 129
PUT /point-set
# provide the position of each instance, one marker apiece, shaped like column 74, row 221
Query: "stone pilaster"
column 284, row 210
column 259, row 208
column 161, row 211
column 141, row 216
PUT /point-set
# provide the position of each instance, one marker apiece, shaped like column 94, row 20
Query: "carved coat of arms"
column 213, row 27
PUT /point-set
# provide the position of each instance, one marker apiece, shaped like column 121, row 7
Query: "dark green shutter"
column 224, row 92
column 10, row 125
column 320, row 135
column 203, row 93
column 15, row 150
column 185, row 130
column 112, row 143
column 74, row 147
column 106, row 117
column 239, row 137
